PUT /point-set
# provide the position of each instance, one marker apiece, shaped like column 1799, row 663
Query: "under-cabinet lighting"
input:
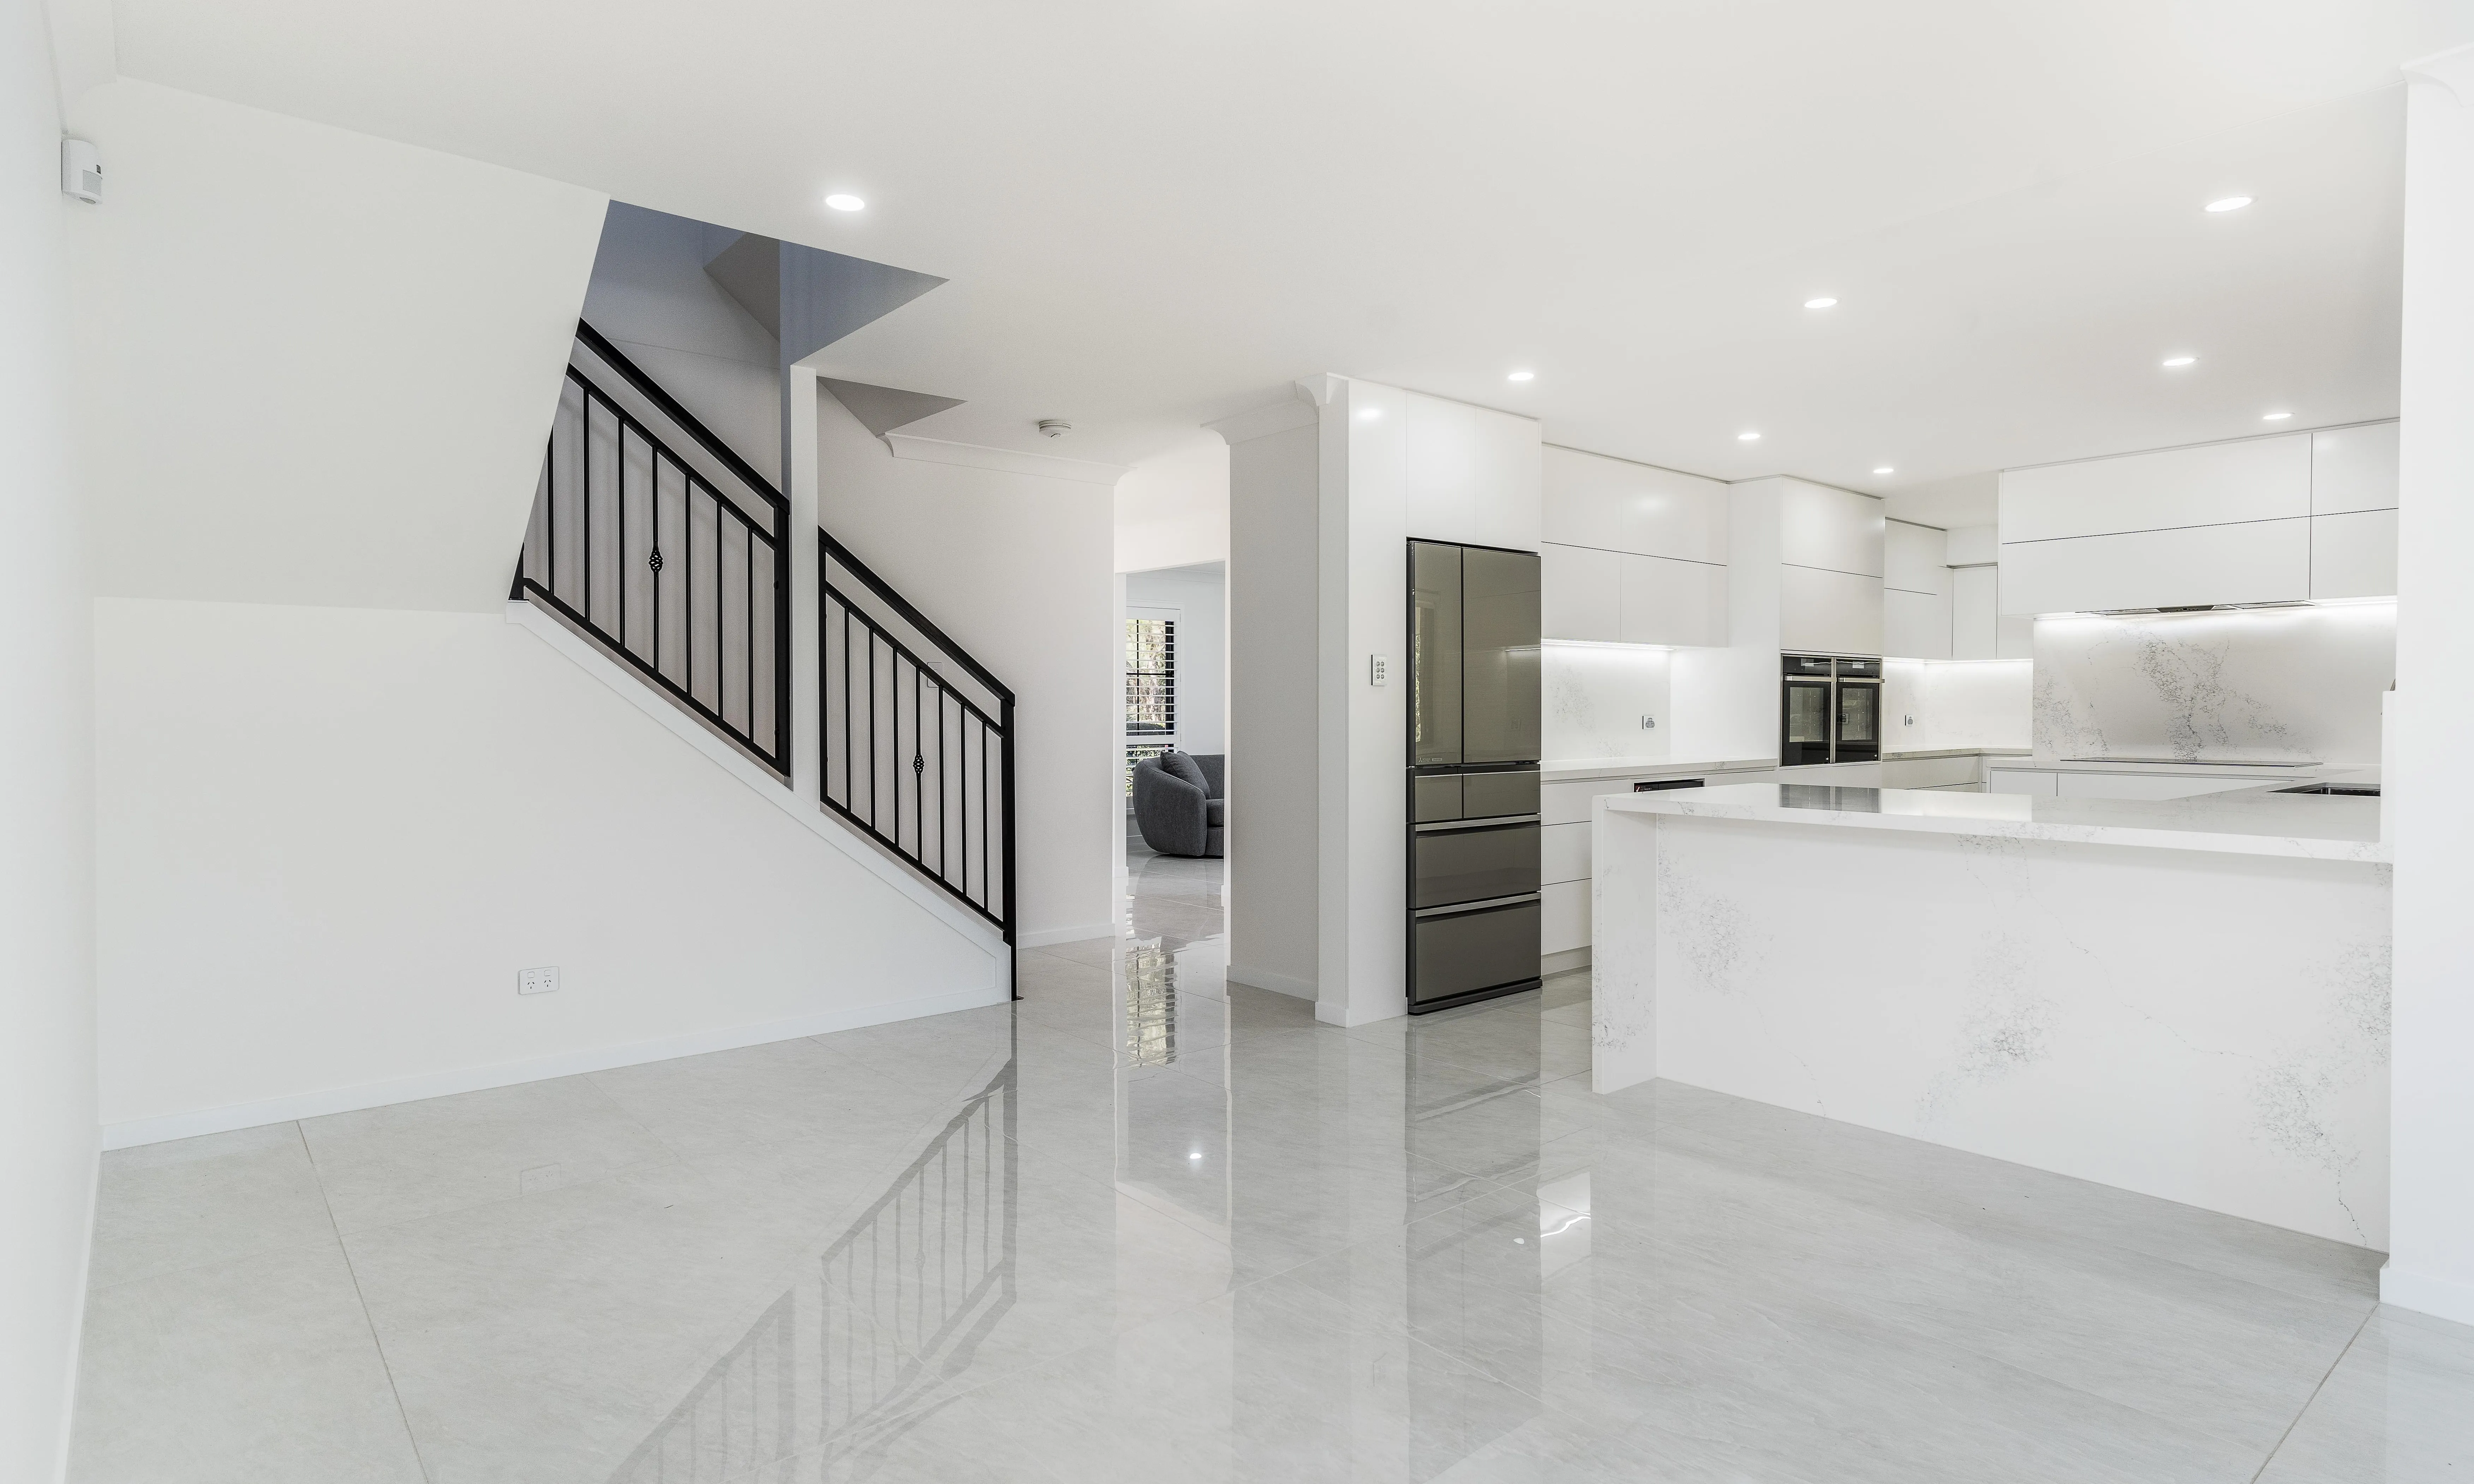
column 843, row 201
column 1823, row 302
column 1522, row 375
column 2177, row 362
column 1608, row 644
column 2229, row 204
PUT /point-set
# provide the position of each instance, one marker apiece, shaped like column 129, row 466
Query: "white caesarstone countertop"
column 2251, row 822
column 1565, row 770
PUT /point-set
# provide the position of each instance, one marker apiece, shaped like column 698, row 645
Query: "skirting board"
column 2439, row 1297
column 1565, row 962
column 1048, row 936
column 507, row 1074
column 1265, row 979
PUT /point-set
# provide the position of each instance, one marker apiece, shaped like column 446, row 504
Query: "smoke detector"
column 1054, row 427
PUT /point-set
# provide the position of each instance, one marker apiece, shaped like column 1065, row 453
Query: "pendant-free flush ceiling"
column 1152, row 212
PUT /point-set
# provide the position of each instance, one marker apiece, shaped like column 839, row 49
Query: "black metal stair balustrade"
column 917, row 743
column 665, row 552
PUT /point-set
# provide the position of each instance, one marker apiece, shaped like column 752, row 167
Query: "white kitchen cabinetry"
column 1580, row 593
column 1615, row 505
column 1915, row 625
column 1667, row 602
column 1470, row 473
column 1632, row 554
column 1563, row 809
column 2147, row 785
column 1828, row 613
column 1914, row 558
column 2255, row 561
column 2354, row 555
column 1931, row 772
column 1618, row 597
column 2354, row 468
column 2213, row 484
column 2020, row 780
column 1973, row 613
column 1837, row 530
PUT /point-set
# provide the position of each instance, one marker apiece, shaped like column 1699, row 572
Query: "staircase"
column 665, row 550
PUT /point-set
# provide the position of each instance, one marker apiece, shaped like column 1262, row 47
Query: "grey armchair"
column 1180, row 804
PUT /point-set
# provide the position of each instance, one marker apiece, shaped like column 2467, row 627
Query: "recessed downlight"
column 2229, row 204
column 1748, row 438
column 2178, row 362
column 1822, row 303
column 1370, row 415
column 1885, row 469
column 2274, row 417
column 842, row 201
column 1522, row 375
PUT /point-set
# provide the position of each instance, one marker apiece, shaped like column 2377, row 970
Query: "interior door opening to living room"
column 1176, row 710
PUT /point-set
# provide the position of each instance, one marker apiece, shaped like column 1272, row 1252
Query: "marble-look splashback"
column 2264, row 685
column 1595, row 697
column 1930, row 705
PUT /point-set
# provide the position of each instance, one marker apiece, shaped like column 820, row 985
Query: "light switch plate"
column 537, row 981
column 1378, row 669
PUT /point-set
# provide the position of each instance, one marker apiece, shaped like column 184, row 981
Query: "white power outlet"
column 537, row 981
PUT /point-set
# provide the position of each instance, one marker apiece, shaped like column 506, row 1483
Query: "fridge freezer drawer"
column 1476, row 863
column 1454, row 954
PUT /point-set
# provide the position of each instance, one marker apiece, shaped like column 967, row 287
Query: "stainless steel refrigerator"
column 1473, row 754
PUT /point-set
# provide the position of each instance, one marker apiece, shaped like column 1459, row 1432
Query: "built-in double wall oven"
column 1830, row 710
column 1473, row 751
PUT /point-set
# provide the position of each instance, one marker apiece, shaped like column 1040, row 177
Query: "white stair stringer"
column 973, row 928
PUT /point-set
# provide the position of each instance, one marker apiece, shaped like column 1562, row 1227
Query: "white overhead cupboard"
column 1915, row 592
column 1632, row 554
column 1832, row 554
column 2288, row 518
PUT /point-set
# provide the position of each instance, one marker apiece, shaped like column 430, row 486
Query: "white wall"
column 2431, row 1257
column 47, row 1094
column 1198, row 596
column 651, row 296
column 318, row 367
column 1016, row 568
column 1173, row 509
column 1274, row 910
column 328, row 838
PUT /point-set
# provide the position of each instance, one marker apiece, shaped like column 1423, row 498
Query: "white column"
column 2431, row 1261
column 799, row 393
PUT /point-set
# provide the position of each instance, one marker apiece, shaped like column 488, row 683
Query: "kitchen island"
column 2183, row 997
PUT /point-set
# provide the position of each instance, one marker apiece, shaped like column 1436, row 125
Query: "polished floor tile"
column 1147, row 1224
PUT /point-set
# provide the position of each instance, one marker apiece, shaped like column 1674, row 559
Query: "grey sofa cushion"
column 1181, row 765
column 1215, row 773
column 1215, row 813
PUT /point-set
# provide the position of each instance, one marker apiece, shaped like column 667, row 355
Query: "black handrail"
column 876, row 694
column 589, row 516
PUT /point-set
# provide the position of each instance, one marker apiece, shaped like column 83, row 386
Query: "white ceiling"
column 1155, row 212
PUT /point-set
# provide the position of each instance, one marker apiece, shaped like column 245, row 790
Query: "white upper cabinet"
column 1828, row 613
column 1470, row 474
column 1837, row 530
column 1668, row 602
column 2354, row 468
column 1915, row 625
column 1615, row 505
column 1973, row 632
column 1915, row 558
column 2354, row 555
column 1581, row 593
column 2214, row 484
column 2254, row 561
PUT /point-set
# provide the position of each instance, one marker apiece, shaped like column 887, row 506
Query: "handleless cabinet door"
column 2354, row 468
column 1584, row 593
column 1435, row 650
column 1499, row 637
column 1673, row 602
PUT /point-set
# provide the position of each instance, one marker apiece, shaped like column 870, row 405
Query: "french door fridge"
column 1472, row 789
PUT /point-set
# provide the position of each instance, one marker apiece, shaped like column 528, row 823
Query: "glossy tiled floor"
column 1148, row 1225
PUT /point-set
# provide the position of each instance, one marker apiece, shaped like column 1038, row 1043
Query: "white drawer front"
column 2147, row 785
column 2019, row 781
column 1563, row 917
column 1564, row 852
